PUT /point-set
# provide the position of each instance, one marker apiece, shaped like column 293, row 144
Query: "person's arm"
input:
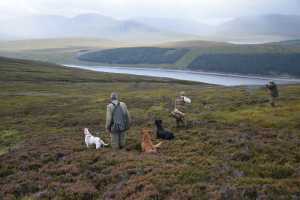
column 108, row 118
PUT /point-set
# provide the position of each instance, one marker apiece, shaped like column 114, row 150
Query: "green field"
column 235, row 146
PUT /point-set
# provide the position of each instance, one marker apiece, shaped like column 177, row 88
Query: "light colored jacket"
column 109, row 111
column 180, row 103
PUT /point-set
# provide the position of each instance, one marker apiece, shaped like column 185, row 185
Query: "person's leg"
column 184, row 122
column 272, row 101
column 177, row 122
column 179, row 118
column 114, row 140
column 122, row 139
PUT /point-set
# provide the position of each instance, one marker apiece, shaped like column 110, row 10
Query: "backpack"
column 120, row 121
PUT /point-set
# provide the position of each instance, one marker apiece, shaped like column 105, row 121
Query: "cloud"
column 196, row 9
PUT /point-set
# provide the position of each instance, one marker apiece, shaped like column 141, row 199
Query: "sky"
column 210, row 11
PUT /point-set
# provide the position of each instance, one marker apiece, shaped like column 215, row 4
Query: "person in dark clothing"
column 274, row 94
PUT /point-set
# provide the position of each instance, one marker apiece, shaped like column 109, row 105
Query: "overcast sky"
column 124, row 9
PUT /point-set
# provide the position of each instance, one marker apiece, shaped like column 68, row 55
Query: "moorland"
column 235, row 145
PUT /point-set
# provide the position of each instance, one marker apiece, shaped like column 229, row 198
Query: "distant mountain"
column 253, row 29
column 87, row 25
column 291, row 43
column 269, row 25
column 178, row 25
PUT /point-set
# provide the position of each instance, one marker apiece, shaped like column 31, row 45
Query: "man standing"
column 179, row 111
column 272, row 87
column 117, row 121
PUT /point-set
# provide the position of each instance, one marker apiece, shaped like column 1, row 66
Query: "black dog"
column 161, row 133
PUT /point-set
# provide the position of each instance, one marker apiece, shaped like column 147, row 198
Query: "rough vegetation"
column 265, row 64
column 135, row 55
column 235, row 146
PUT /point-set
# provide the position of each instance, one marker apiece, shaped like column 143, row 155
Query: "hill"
column 59, row 43
column 268, row 25
column 235, row 147
column 137, row 55
column 263, row 64
column 184, row 26
column 281, row 58
column 191, row 54
column 194, row 44
column 84, row 26
column 244, row 29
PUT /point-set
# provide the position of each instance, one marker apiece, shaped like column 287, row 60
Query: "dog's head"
column 146, row 132
column 158, row 122
column 86, row 131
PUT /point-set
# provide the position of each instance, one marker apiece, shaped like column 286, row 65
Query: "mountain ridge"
column 251, row 29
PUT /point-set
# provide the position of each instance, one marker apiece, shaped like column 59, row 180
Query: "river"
column 196, row 76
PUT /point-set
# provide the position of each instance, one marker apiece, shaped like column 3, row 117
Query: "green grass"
column 236, row 146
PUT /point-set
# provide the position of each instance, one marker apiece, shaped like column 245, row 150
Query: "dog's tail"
column 103, row 143
column 158, row 145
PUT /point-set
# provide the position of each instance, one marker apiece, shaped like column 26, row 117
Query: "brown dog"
column 147, row 145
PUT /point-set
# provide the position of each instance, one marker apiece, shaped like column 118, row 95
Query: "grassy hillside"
column 265, row 59
column 60, row 50
column 136, row 55
column 264, row 64
column 59, row 43
column 235, row 147
column 247, row 59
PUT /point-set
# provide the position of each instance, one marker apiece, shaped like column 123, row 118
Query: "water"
column 203, row 77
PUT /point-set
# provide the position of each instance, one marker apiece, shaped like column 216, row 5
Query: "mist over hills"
column 253, row 29
column 86, row 25
column 283, row 27
column 178, row 25
column 288, row 25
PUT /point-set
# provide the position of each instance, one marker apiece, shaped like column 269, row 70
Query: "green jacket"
column 109, row 111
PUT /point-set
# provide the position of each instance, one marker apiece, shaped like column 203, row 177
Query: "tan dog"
column 147, row 145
